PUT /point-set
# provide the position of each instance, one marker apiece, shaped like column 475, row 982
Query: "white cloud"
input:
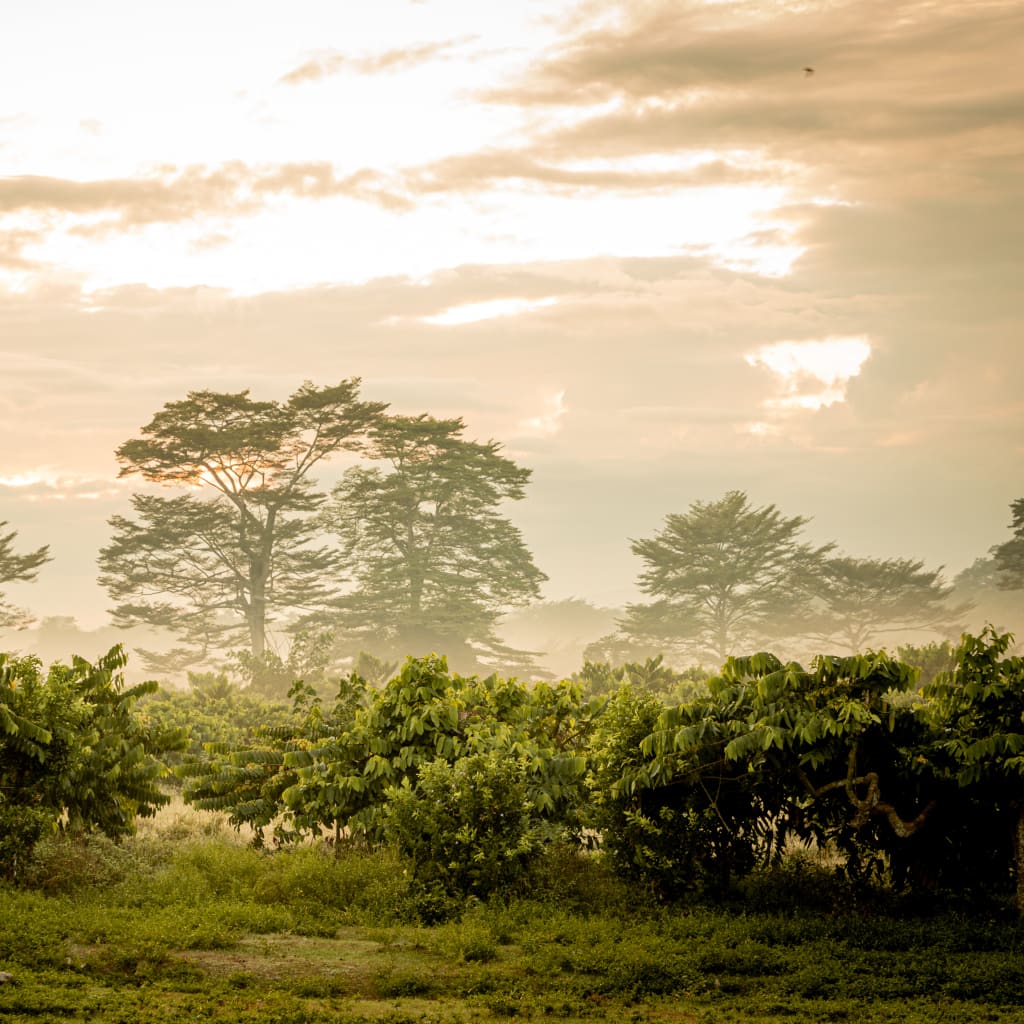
column 46, row 484
column 475, row 311
column 812, row 375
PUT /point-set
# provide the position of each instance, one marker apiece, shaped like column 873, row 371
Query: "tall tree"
column 862, row 598
column 1009, row 556
column 17, row 568
column 218, row 569
column 433, row 560
column 726, row 577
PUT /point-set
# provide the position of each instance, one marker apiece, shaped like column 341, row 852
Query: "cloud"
column 813, row 374
column 47, row 484
column 172, row 195
column 491, row 169
column 474, row 312
column 893, row 81
column 332, row 62
column 549, row 422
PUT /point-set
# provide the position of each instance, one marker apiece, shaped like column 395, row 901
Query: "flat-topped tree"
column 861, row 599
column 216, row 569
column 15, row 568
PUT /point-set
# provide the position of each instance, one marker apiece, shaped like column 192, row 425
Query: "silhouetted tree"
column 216, row 570
column 727, row 577
column 17, row 568
column 863, row 598
column 434, row 561
column 1009, row 556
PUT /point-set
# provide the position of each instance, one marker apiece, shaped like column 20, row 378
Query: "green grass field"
column 183, row 923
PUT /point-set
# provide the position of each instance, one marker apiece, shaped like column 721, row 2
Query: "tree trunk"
column 257, row 612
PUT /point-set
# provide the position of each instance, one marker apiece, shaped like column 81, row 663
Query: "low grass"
column 191, row 925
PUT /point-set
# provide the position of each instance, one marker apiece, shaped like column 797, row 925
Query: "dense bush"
column 467, row 827
column 75, row 754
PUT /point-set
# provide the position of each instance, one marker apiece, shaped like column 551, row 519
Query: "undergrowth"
column 201, row 927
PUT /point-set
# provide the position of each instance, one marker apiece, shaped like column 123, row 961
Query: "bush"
column 466, row 827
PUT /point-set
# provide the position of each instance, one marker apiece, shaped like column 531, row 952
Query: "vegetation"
column 725, row 577
column 1009, row 556
column 214, row 571
column 182, row 924
column 15, row 567
column 74, row 753
column 786, row 843
column 862, row 599
column 637, row 841
column 434, row 561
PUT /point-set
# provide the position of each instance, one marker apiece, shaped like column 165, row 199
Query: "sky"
column 658, row 250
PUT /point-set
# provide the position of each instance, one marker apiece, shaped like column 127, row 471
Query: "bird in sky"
column 808, row 72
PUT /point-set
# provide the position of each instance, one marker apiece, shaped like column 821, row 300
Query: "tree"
column 17, row 568
column 433, row 560
column 980, row 584
column 75, row 753
column 727, row 576
column 771, row 752
column 1009, row 557
column 861, row 598
column 218, row 570
column 979, row 710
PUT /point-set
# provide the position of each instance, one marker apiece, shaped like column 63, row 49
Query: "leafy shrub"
column 467, row 827
column 64, row 864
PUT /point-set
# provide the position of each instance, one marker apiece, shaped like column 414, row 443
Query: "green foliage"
column 433, row 560
column 652, row 675
column 771, row 752
column 467, row 827
column 982, row 702
column 929, row 659
column 15, row 567
column 213, row 711
column 646, row 839
column 425, row 713
column 247, row 778
column 272, row 676
column 219, row 569
column 74, row 752
column 978, row 709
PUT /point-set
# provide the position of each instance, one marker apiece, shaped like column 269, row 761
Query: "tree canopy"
column 17, row 568
column 1009, row 556
column 861, row 599
column 725, row 576
column 218, row 569
column 433, row 560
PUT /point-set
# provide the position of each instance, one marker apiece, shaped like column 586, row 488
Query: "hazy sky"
column 638, row 243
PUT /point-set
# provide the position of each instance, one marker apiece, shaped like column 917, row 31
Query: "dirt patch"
column 292, row 956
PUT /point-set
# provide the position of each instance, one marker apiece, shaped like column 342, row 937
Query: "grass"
column 187, row 923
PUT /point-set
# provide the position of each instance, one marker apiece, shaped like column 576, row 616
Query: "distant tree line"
column 412, row 552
